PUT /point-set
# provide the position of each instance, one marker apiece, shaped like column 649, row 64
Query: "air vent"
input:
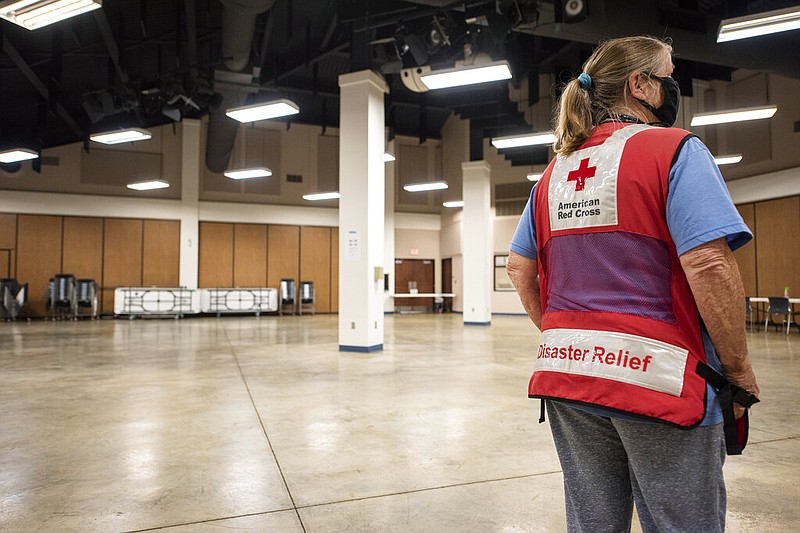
column 50, row 161
column 294, row 178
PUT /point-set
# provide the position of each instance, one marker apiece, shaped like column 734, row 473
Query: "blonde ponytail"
column 580, row 110
column 575, row 122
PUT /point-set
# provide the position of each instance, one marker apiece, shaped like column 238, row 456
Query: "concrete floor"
column 260, row 424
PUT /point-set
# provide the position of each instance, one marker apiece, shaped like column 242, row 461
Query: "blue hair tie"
column 585, row 80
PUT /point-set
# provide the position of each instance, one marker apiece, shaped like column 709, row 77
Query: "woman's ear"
column 636, row 85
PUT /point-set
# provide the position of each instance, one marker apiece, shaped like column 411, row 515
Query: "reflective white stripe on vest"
column 648, row 363
column 583, row 185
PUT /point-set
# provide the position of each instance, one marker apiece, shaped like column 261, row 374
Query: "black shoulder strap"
column 736, row 431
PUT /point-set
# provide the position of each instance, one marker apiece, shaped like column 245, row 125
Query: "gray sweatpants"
column 673, row 475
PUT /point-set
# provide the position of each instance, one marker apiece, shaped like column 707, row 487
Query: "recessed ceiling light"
column 263, row 111
column 32, row 14
column 734, row 115
column 429, row 186
column 17, row 154
column 759, row 24
column 148, row 185
column 322, row 196
column 121, row 136
column 528, row 139
column 248, row 173
column 454, row 203
column 467, row 75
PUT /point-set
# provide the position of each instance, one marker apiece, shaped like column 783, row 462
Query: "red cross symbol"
column 583, row 172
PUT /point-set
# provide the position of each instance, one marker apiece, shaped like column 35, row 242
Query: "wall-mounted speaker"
column 570, row 11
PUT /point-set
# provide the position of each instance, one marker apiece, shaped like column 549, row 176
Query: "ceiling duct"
column 238, row 28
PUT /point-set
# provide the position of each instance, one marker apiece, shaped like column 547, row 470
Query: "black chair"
column 748, row 312
column 288, row 295
column 780, row 307
column 307, row 299
column 13, row 297
column 61, row 296
column 85, row 297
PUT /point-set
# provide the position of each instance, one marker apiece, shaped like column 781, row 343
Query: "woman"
column 623, row 259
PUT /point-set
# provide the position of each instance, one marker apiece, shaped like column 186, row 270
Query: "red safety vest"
column 620, row 327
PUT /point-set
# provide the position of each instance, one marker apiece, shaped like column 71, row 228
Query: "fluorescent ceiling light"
column 17, row 154
column 32, row 14
column 535, row 176
column 454, row 203
column 247, row 173
column 727, row 159
column 148, row 185
column 734, row 115
column 388, row 157
column 263, row 111
column 121, row 136
column 429, row 186
column 759, row 24
column 458, row 76
column 322, row 196
column 528, row 139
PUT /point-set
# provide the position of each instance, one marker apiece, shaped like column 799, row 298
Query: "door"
column 408, row 272
column 447, row 282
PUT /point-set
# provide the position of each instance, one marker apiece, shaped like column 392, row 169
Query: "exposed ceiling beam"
column 26, row 70
column 111, row 45
column 191, row 37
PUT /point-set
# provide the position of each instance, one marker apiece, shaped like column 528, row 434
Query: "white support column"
column 361, row 211
column 478, row 246
column 190, row 193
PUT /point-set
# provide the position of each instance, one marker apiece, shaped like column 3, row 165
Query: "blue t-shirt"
column 699, row 210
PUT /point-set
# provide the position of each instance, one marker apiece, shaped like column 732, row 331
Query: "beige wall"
column 105, row 170
column 505, row 301
column 767, row 145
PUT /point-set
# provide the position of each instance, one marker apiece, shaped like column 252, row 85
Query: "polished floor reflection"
column 260, row 424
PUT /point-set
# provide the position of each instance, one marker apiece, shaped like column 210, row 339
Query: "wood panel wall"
column 216, row 255
column 746, row 255
column 283, row 259
column 82, row 248
column 5, row 264
column 161, row 250
column 259, row 255
column 114, row 252
column 122, row 257
column 777, row 243
column 39, row 239
column 8, row 244
column 315, row 266
column 250, row 255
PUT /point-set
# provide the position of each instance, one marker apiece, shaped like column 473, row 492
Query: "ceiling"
column 151, row 62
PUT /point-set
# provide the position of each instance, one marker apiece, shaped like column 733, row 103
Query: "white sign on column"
column 361, row 211
column 478, row 249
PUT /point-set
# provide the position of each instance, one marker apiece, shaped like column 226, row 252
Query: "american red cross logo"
column 581, row 174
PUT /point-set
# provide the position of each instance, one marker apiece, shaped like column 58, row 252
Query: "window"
column 501, row 280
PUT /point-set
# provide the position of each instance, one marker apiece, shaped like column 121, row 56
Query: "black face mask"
column 668, row 112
